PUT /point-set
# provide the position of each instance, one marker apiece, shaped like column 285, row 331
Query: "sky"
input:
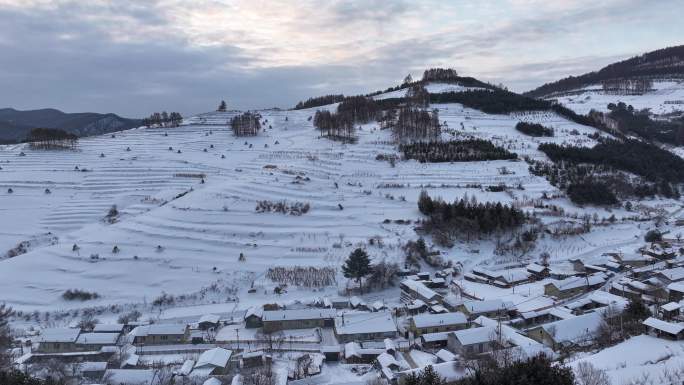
column 133, row 57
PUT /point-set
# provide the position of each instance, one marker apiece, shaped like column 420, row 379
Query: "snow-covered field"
column 178, row 235
column 659, row 100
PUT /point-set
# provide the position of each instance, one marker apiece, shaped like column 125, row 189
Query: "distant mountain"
column 662, row 63
column 15, row 125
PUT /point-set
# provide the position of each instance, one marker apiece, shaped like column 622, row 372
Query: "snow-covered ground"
column 154, row 177
column 659, row 100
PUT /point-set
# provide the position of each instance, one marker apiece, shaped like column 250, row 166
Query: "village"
column 446, row 319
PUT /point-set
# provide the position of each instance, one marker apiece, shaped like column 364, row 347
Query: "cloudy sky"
column 133, row 57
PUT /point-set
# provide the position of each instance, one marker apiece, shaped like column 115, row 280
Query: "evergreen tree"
column 5, row 337
column 222, row 107
column 357, row 265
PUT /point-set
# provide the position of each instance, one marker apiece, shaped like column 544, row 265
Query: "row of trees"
column 455, row 151
column 639, row 123
column 494, row 101
column 534, row 129
column 447, row 221
column 640, row 158
column 414, row 124
column 246, row 124
column 163, row 119
column 335, row 126
column 627, row 86
column 51, row 138
column 319, row 101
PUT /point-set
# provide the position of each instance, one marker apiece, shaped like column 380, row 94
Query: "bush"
column 534, row 129
column 455, row 151
column 653, row 236
column 80, row 295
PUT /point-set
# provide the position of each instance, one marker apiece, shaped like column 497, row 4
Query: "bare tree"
column 587, row 374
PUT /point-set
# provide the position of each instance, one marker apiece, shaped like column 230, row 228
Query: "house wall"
column 56, row 347
column 417, row 332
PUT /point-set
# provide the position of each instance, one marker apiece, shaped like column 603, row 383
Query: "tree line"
column 163, row 119
column 319, row 101
column 414, row 124
column 446, row 221
column 455, row 151
column 640, row 158
column 51, row 138
column 534, row 129
column 639, row 123
column 651, row 65
column 246, row 124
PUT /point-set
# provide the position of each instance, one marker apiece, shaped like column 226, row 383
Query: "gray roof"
column 299, row 314
column 432, row 320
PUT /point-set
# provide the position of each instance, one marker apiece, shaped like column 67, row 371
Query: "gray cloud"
column 130, row 57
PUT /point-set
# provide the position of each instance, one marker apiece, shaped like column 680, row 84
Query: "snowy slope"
column 202, row 232
column 660, row 100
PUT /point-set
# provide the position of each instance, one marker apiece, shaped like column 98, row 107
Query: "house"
column 537, row 271
column 109, row 328
column 659, row 250
column 160, row 334
column 253, row 317
column 634, row 289
column 633, row 259
column 671, row 310
column 676, row 291
column 664, row 329
column 571, row 287
column 130, row 376
column 58, row 340
column 434, row 323
column 597, row 299
column 212, row 362
column 669, row 276
column 256, row 359
column 577, row 330
column 208, row 322
column 365, row 327
column 412, row 290
column 475, row 341
column 95, row 341
column 386, row 360
column 277, row 320
column 493, row 308
column 434, row 340
column 444, row 355
column 356, row 354
column 512, row 277
column 339, row 302
column 88, row 370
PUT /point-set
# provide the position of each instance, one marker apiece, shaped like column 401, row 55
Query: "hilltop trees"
column 163, row 119
column 357, row 265
column 440, row 75
column 51, row 138
column 416, row 125
column 446, row 221
column 455, row 151
column 246, row 124
column 319, row 101
column 222, row 106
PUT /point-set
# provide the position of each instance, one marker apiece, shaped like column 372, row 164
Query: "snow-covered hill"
column 187, row 198
column 666, row 97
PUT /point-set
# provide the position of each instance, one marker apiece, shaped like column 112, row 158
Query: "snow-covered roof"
column 98, row 338
column 576, row 282
column 216, row 357
column 432, row 320
column 212, row 381
column 673, row 275
column 445, row 355
column 671, row 306
column 435, row 337
column 536, row 268
column 159, row 329
column 676, row 286
column 668, row 327
column 574, row 329
column 420, row 288
column 386, row 360
column 130, row 376
column 108, row 328
column 298, row 314
column 358, row 323
column 476, row 335
column 389, row 344
column 354, row 349
column 515, row 275
column 477, row 307
column 59, row 335
column 256, row 311
column 210, row 318
column 186, row 368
